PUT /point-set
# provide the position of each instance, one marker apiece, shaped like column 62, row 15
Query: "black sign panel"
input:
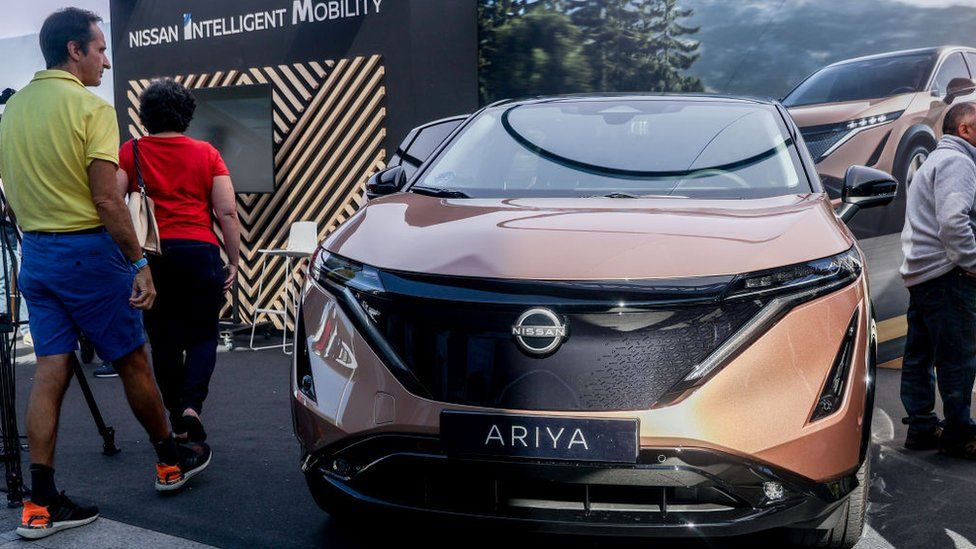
column 429, row 47
column 180, row 36
column 539, row 437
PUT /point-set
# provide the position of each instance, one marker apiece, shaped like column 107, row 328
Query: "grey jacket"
column 940, row 217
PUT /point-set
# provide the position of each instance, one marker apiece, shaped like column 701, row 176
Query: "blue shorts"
column 79, row 284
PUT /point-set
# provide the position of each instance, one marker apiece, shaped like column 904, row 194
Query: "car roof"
column 937, row 50
column 691, row 97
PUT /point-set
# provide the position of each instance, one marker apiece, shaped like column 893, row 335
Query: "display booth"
column 304, row 100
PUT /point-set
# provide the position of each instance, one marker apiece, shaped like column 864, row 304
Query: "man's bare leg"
column 142, row 393
column 176, row 464
column 51, row 380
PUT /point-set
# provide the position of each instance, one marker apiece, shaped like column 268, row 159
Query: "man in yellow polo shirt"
column 83, row 270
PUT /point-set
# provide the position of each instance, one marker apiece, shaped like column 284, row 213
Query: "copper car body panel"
column 607, row 239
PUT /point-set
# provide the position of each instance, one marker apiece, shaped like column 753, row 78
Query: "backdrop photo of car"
column 889, row 116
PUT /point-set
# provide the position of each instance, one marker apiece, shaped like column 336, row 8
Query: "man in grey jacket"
column 939, row 243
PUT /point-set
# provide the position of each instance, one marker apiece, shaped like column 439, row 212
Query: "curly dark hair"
column 63, row 26
column 166, row 106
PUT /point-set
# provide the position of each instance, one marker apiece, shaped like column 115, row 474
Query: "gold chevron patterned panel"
column 329, row 132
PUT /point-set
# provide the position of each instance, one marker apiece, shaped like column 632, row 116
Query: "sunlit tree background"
column 533, row 47
column 748, row 47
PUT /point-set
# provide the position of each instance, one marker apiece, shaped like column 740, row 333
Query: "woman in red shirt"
column 190, row 185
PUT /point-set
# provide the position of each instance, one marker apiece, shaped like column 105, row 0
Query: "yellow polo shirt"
column 50, row 131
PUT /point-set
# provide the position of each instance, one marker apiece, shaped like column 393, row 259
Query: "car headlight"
column 870, row 121
column 359, row 290
column 327, row 268
column 781, row 289
column 819, row 274
column 343, row 275
column 824, row 140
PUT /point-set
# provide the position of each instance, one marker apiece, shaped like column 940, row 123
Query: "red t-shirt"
column 178, row 173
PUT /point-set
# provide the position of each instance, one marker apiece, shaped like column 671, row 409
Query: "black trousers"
column 940, row 351
column 182, row 324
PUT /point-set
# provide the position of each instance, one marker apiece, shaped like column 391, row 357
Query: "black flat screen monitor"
column 237, row 121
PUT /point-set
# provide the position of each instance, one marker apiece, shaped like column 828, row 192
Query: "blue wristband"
column 142, row 262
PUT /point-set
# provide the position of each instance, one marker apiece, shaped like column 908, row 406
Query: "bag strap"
column 135, row 158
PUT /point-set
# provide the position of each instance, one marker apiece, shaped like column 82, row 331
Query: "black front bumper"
column 670, row 492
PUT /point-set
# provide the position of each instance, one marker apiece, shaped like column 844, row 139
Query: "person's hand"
column 231, row 276
column 143, row 291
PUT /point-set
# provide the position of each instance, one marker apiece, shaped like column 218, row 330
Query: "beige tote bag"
column 143, row 211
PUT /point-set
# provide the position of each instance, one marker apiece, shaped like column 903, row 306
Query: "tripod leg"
column 8, row 387
column 108, row 434
column 8, row 418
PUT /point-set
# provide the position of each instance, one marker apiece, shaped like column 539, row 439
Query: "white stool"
column 302, row 239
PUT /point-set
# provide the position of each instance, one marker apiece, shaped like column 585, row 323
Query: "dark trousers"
column 182, row 325
column 941, row 345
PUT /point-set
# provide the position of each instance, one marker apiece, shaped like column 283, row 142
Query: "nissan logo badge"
column 539, row 331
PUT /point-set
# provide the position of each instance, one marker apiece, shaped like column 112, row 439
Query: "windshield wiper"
column 614, row 194
column 435, row 191
column 629, row 195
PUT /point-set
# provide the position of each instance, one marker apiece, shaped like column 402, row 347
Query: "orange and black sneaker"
column 194, row 458
column 40, row 521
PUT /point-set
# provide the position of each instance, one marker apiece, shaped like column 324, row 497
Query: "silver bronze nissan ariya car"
column 632, row 315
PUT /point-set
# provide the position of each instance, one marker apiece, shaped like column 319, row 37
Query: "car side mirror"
column 385, row 182
column 865, row 188
column 958, row 87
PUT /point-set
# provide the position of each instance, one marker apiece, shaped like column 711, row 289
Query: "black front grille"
column 820, row 141
column 616, row 356
column 467, row 488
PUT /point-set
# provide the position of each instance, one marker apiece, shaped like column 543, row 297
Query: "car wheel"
column 848, row 530
column 911, row 161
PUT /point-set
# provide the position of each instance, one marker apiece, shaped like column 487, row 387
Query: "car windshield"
column 620, row 148
column 869, row 79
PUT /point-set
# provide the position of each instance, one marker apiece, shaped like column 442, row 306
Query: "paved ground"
column 103, row 533
column 254, row 495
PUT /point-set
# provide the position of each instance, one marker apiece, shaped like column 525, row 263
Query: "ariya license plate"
column 539, row 437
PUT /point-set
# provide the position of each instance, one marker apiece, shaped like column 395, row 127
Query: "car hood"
column 834, row 113
column 588, row 238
